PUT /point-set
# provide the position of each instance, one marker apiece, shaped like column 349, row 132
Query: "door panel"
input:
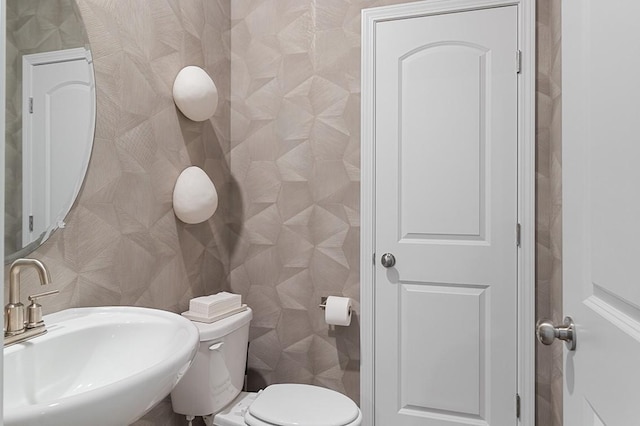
column 601, row 210
column 446, row 199
column 455, row 74
column 459, row 373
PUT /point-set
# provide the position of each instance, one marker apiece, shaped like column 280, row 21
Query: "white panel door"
column 601, row 210
column 446, row 208
column 58, row 129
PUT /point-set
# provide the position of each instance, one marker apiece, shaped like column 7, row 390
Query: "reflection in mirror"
column 50, row 118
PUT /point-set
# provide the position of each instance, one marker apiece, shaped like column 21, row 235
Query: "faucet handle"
column 33, row 297
column 34, row 310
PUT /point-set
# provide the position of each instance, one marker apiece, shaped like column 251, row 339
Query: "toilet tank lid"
column 223, row 327
column 302, row 405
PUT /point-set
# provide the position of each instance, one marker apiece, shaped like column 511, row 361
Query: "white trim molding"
column 526, row 192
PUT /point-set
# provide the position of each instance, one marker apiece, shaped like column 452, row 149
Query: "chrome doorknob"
column 547, row 332
column 388, row 260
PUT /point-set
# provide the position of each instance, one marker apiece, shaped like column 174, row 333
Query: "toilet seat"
column 252, row 421
column 302, row 405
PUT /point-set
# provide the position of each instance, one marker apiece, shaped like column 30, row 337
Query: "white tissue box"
column 208, row 306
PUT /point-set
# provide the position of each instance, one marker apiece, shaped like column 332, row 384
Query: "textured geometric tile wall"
column 295, row 158
column 122, row 244
column 549, row 374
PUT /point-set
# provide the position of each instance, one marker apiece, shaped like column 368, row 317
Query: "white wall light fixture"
column 195, row 198
column 195, row 93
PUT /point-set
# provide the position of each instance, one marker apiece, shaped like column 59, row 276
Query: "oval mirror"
column 50, row 119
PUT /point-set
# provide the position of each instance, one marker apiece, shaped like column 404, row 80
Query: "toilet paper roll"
column 338, row 310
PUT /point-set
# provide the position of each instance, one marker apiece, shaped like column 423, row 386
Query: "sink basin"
column 96, row 366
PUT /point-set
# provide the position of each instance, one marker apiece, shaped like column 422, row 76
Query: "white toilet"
column 212, row 387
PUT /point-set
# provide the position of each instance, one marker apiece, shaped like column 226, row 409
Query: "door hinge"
column 31, row 105
column 30, row 223
column 518, row 61
column 518, row 234
column 517, row 406
column 373, row 258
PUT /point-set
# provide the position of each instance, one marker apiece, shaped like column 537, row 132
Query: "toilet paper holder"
column 323, row 304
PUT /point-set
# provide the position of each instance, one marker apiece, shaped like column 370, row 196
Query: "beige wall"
column 549, row 209
column 122, row 244
column 295, row 162
column 288, row 229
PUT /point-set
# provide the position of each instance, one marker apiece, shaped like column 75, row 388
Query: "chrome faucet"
column 16, row 329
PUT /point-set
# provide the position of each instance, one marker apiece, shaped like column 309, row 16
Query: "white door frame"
column 526, row 192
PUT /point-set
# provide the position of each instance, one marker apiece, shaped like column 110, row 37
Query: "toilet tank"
column 216, row 375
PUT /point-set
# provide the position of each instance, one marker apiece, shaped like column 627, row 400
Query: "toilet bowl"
column 212, row 387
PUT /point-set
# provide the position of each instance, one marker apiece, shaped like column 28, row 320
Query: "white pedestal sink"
column 96, row 366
